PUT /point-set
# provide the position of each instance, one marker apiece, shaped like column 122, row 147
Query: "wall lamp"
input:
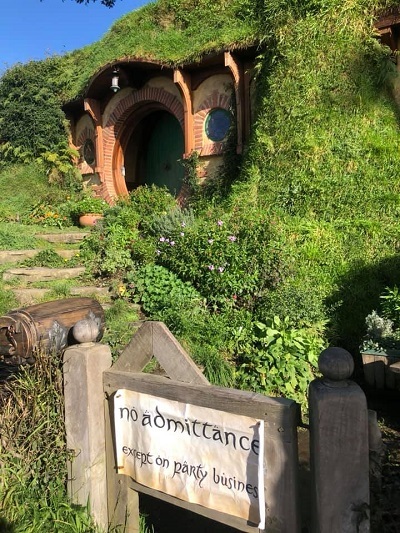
column 115, row 79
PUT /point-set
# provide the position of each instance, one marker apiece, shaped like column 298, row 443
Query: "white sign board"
column 200, row 455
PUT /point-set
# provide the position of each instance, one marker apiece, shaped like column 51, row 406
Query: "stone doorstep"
column 67, row 238
column 31, row 296
column 30, row 275
column 14, row 256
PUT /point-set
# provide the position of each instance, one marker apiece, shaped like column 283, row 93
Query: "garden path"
column 33, row 284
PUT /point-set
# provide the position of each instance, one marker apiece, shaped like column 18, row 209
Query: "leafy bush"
column 151, row 202
column 118, row 242
column 88, row 204
column 383, row 330
column 279, row 360
column 167, row 223
column 165, row 297
column 30, row 109
column 230, row 260
column 48, row 216
column 380, row 335
column 390, row 304
column 156, row 288
column 49, row 258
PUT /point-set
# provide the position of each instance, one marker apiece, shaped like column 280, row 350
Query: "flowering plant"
column 90, row 204
column 229, row 260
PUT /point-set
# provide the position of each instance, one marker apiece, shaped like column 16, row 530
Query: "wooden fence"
column 339, row 448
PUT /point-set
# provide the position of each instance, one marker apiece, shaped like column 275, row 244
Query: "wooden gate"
column 339, row 436
column 184, row 382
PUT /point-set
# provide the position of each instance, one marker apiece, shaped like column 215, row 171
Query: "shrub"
column 30, row 103
column 390, row 304
column 49, row 258
column 167, row 223
column 165, row 297
column 156, row 288
column 150, row 202
column 46, row 215
column 119, row 243
column 279, row 360
column 230, row 260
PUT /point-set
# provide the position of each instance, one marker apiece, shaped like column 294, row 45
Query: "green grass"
column 322, row 167
column 33, row 454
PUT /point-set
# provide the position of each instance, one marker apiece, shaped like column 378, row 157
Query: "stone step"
column 33, row 274
column 17, row 256
column 30, row 296
column 66, row 238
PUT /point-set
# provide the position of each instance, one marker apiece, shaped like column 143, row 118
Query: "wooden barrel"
column 47, row 326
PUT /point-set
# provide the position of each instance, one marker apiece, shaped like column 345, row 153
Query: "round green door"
column 164, row 154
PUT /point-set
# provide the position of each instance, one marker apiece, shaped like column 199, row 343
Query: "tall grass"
column 33, row 454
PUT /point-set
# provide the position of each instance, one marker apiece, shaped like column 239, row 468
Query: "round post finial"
column 336, row 364
column 86, row 330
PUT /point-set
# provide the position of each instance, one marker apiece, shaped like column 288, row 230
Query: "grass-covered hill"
column 287, row 250
column 321, row 171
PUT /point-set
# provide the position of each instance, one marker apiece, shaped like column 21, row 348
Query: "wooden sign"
column 203, row 456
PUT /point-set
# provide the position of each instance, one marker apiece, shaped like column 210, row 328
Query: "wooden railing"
column 339, row 442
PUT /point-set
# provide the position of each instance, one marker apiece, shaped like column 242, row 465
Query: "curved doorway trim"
column 128, row 112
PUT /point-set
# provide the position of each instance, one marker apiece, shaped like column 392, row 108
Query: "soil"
column 385, row 500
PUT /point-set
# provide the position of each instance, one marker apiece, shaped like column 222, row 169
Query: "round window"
column 89, row 152
column 217, row 125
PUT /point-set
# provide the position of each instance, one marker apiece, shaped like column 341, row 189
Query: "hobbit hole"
column 160, row 115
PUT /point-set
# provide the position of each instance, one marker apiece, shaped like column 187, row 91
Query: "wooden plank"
column 395, row 367
column 280, row 417
column 388, row 20
column 368, row 368
column 389, row 376
column 230, row 400
column 229, row 520
column 122, row 502
column 173, row 358
column 138, row 352
column 153, row 339
column 379, row 367
column 374, row 369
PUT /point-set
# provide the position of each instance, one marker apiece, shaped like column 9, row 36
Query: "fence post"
column 83, row 369
column 339, row 448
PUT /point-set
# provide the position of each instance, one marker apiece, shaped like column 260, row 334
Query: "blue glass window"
column 217, row 124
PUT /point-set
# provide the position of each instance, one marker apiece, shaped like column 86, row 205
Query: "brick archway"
column 127, row 112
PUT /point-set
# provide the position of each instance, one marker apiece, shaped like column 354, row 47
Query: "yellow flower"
column 121, row 290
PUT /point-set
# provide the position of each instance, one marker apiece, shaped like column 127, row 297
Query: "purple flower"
column 172, row 243
column 182, row 234
column 183, row 224
column 210, row 267
column 220, row 222
column 210, row 241
column 162, row 239
column 221, row 269
column 158, row 252
column 232, row 238
column 166, row 240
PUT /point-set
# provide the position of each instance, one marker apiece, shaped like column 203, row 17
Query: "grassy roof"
column 173, row 32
